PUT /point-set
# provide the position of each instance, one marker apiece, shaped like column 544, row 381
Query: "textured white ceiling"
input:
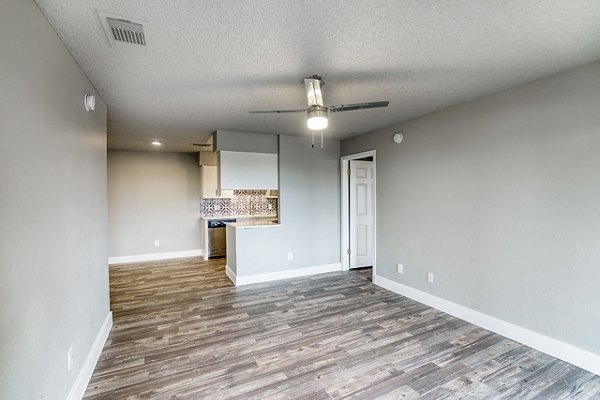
column 209, row 62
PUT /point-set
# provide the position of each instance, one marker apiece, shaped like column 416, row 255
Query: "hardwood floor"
column 183, row 331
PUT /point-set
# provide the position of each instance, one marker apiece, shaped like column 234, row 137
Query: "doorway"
column 358, row 227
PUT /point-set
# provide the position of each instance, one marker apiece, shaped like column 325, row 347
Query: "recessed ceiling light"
column 156, row 143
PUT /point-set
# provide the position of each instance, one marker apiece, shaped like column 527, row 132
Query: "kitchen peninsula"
column 211, row 222
column 241, row 249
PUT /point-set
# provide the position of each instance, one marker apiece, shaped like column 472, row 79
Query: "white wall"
column 153, row 196
column 499, row 198
column 53, row 213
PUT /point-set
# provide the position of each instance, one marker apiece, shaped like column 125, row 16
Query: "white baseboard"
column 288, row 273
column 564, row 351
column 155, row 256
column 230, row 274
column 85, row 373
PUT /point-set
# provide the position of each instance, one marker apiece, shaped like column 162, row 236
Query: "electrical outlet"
column 157, row 242
column 400, row 268
column 70, row 358
column 430, row 277
column 290, row 256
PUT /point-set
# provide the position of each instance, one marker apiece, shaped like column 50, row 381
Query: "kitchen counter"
column 242, row 222
column 253, row 216
column 252, row 224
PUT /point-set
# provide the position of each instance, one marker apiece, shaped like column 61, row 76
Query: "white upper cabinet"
column 244, row 170
column 210, row 186
column 207, row 158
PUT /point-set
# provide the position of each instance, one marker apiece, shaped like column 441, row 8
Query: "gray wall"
column 500, row 198
column 309, row 192
column 153, row 195
column 245, row 141
column 53, row 214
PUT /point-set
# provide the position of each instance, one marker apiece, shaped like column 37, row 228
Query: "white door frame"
column 345, row 209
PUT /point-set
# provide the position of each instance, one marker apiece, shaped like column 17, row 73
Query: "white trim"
column 344, row 209
column 356, row 156
column 345, row 237
column 288, row 273
column 204, row 249
column 155, row 256
column 564, row 351
column 85, row 373
column 230, row 274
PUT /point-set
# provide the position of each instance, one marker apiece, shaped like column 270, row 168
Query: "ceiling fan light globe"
column 317, row 123
column 316, row 118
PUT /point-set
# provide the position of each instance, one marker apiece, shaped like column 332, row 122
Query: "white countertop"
column 254, row 216
column 252, row 224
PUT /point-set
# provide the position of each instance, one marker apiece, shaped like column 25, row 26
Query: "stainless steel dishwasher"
column 217, row 238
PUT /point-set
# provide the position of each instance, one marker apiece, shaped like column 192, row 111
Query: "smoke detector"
column 123, row 32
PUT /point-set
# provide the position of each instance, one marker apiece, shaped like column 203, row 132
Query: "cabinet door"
column 207, row 158
column 241, row 170
column 209, row 182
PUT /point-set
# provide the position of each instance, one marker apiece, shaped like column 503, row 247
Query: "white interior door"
column 362, row 219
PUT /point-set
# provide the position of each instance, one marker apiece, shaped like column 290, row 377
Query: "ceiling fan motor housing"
column 317, row 111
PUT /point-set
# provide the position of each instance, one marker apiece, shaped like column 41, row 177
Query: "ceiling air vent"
column 127, row 31
column 123, row 32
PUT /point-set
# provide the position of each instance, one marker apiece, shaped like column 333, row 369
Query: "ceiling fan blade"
column 277, row 111
column 201, row 144
column 358, row 106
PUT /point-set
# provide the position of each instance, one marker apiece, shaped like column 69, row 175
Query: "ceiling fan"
column 317, row 113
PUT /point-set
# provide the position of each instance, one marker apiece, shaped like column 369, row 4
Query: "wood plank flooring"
column 183, row 331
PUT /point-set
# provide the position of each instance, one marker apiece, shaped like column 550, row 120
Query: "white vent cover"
column 123, row 32
column 127, row 31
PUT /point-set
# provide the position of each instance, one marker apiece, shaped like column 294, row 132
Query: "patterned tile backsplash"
column 244, row 202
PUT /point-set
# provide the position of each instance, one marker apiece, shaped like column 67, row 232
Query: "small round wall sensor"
column 398, row 138
column 89, row 101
